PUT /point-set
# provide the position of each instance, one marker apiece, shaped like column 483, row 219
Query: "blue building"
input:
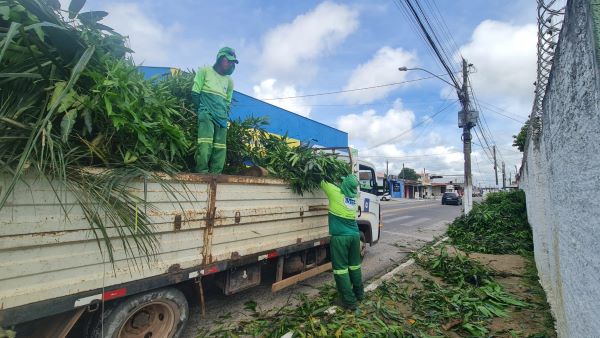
column 396, row 188
column 281, row 121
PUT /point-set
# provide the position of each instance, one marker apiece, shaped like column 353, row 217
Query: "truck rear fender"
column 366, row 228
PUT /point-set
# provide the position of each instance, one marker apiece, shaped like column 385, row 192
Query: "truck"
column 218, row 228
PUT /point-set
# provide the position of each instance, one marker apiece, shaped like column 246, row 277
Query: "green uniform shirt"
column 213, row 92
column 342, row 211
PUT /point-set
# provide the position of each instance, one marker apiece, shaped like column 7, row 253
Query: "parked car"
column 386, row 197
column 451, row 198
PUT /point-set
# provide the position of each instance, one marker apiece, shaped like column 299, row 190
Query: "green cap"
column 227, row 52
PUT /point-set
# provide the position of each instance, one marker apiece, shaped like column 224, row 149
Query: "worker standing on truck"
column 212, row 93
column 345, row 240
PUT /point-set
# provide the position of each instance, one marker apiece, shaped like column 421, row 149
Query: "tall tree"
column 408, row 174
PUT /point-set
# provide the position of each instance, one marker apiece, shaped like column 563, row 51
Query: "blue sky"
column 292, row 48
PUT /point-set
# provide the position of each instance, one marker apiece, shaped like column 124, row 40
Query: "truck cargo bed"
column 47, row 254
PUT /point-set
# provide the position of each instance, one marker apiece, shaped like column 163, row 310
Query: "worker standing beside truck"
column 212, row 92
column 345, row 240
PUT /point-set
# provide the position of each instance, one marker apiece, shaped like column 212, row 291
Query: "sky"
column 296, row 48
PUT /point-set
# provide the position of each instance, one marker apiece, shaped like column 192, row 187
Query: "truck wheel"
column 159, row 313
column 363, row 245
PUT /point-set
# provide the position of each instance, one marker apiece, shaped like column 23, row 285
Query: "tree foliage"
column 520, row 139
column 408, row 174
column 71, row 98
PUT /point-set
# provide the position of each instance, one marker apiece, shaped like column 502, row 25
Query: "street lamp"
column 467, row 120
column 404, row 69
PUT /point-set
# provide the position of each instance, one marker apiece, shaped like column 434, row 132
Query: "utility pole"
column 468, row 122
column 387, row 163
column 467, row 118
column 495, row 165
column 403, row 171
column 503, row 176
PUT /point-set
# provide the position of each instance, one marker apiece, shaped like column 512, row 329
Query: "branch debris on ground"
column 449, row 292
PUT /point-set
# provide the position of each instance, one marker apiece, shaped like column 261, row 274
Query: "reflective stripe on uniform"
column 205, row 140
column 220, row 145
column 340, row 272
column 354, row 267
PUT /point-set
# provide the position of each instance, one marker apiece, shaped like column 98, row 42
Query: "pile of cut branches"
column 70, row 97
column 497, row 226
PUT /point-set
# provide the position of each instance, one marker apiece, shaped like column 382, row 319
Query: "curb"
column 373, row 286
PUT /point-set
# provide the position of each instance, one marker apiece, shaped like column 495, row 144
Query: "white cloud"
column 369, row 128
column 381, row 69
column 151, row 41
column 505, row 58
column 268, row 89
column 289, row 49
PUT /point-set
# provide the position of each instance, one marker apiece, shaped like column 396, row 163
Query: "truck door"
column 369, row 206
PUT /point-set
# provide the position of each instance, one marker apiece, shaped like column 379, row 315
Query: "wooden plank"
column 300, row 277
column 58, row 326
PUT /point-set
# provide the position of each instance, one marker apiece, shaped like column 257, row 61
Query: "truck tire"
column 363, row 245
column 157, row 314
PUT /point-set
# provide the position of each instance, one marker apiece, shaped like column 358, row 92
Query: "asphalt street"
column 408, row 225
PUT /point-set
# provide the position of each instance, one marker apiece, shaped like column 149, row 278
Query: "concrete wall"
column 561, row 177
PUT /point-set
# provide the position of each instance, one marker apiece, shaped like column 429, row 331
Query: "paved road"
column 408, row 224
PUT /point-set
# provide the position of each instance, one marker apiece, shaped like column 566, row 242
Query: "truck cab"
column 369, row 212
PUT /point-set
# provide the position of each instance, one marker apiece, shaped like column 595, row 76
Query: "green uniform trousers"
column 212, row 146
column 345, row 258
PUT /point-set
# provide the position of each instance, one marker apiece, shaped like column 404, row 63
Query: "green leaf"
column 54, row 4
column 12, row 31
column 129, row 158
column 67, row 123
column 59, row 87
column 92, row 17
column 74, row 7
column 250, row 305
column 39, row 32
column 5, row 12
column 108, row 106
column 87, row 119
column 109, row 29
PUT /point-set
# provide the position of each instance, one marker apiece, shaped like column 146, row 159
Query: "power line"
column 410, row 156
column 408, row 130
column 353, row 90
column 431, row 42
column 497, row 110
column 379, row 103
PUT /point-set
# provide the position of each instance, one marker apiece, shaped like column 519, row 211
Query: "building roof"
column 281, row 121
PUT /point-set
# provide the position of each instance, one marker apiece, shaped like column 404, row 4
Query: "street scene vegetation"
column 72, row 100
column 78, row 115
column 454, row 289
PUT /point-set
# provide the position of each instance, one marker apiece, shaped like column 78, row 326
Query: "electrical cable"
column 353, row 90
column 410, row 156
column 413, row 127
column 432, row 44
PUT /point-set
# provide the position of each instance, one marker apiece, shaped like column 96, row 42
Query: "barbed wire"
column 550, row 20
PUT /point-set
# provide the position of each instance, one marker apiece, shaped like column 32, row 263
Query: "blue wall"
column 150, row 72
column 396, row 188
column 281, row 121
